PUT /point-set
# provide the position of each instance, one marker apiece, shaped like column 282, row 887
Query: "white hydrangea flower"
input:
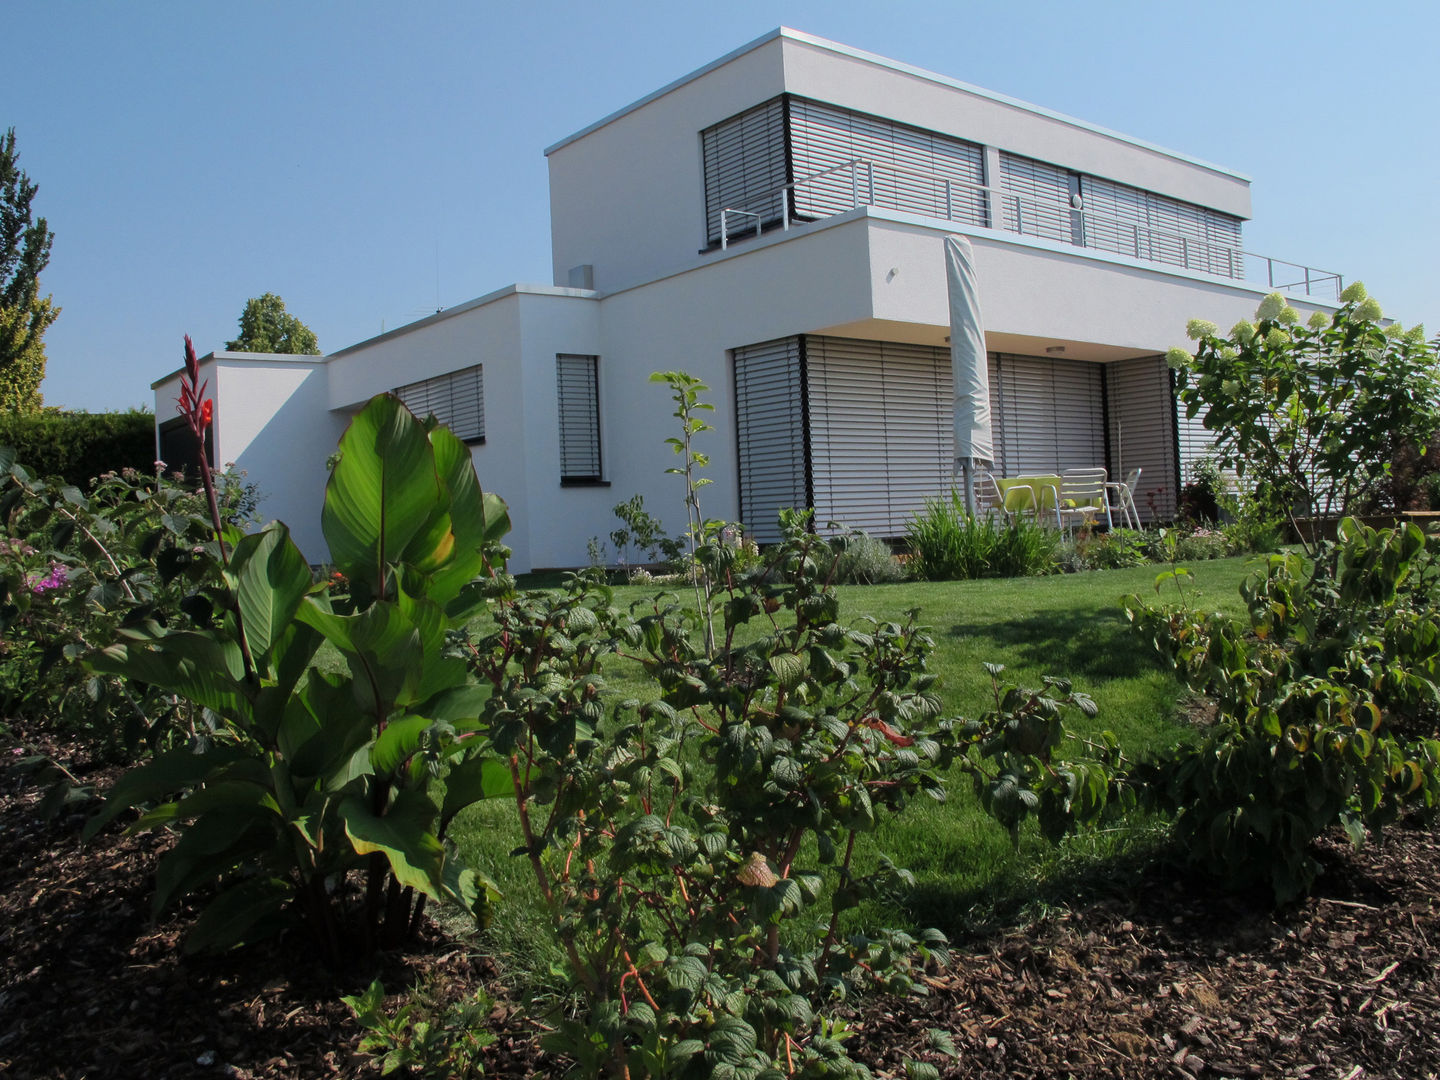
column 1270, row 307
column 1243, row 331
column 1178, row 359
column 1369, row 309
column 1416, row 334
column 1196, row 329
column 1288, row 315
column 1277, row 338
column 1354, row 292
column 1319, row 321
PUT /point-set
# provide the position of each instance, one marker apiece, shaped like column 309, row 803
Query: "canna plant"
column 317, row 804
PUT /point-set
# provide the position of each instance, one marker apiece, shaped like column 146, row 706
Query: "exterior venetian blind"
column 455, row 399
column 770, row 434
column 909, row 166
column 1051, row 414
column 1142, row 431
column 1042, row 207
column 881, row 431
column 745, row 167
column 1145, row 225
column 578, row 380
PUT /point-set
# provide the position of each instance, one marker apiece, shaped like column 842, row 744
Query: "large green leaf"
column 396, row 743
column 211, row 847
column 166, row 775
column 403, row 836
column 196, row 666
column 474, row 520
column 242, row 914
column 469, row 781
column 381, row 493
column 269, row 577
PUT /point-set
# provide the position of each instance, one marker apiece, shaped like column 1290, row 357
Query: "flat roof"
column 894, row 65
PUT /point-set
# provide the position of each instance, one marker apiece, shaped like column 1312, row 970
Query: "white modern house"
column 773, row 223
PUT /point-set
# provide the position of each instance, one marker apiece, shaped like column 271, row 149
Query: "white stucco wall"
column 271, row 419
column 627, row 194
column 629, row 197
column 515, row 334
column 829, row 72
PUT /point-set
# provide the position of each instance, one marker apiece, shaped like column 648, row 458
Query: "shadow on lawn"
column 1066, row 642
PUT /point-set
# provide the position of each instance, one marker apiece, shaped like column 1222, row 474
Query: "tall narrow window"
column 456, row 399
column 579, row 383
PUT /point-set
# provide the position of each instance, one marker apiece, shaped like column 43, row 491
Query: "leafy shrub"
column 78, row 570
column 426, row 1041
column 317, row 778
column 949, row 543
column 78, row 447
column 684, row 897
column 646, row 533
column 1311, row 418
column 1200, row 499
column 1327, row 700
column 865, row 560
column 1198, row 545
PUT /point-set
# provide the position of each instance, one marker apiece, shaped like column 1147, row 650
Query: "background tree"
column 266, row 327
column 24, row 314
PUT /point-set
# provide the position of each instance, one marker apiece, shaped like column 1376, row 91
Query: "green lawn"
column 966, row 871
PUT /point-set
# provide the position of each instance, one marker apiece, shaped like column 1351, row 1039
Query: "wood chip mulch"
column 1168, row 980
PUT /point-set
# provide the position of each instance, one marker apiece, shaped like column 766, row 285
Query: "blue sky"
column 372, row 161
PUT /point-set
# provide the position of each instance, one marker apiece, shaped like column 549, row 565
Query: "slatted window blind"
column 909, row 166
column 1119, row 218
column 579, row 391
column 1145, row 225
column 1142, row 431
column 456, row 399
column 1050, row 415
column 1043, row 205
column 744, row 167
column 881, row 431
column 770, row 434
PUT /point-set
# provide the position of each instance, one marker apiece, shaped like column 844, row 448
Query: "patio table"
column 1029, row 494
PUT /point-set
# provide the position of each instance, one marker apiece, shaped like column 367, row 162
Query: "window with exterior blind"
column 901, row 167
column 770, row 434
column 1037, row 201
column 456, row 399
column 745, row 168
column 579, row 390
column 1142, row 431
column 1050, row 414
column 863, row 431
column 881, row 431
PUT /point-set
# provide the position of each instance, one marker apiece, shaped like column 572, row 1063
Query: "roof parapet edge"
column 904, row 68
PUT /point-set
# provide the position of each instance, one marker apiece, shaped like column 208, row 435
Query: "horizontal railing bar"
column 1038, row 213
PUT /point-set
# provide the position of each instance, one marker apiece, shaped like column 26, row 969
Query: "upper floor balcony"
column 1082, row 211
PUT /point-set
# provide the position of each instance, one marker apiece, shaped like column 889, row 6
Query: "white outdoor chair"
column 1083, row 497
column 1124, row 499
column 989, row 499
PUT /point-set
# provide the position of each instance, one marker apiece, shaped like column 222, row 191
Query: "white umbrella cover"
column 974, row 439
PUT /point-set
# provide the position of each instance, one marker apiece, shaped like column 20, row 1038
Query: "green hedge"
column 80, row 446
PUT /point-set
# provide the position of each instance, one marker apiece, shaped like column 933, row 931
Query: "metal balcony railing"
column 859, row 182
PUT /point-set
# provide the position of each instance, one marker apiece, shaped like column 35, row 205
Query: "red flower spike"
column 207, row 412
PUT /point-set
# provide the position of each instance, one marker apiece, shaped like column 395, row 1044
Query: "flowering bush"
column 1311, row 418
column 75, row 570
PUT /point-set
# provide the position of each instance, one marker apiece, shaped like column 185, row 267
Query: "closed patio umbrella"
column 974, row 440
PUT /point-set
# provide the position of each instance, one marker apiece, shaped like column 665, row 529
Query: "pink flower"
column 56, row 580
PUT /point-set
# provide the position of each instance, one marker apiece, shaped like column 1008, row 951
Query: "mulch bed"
column 1170, row 979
